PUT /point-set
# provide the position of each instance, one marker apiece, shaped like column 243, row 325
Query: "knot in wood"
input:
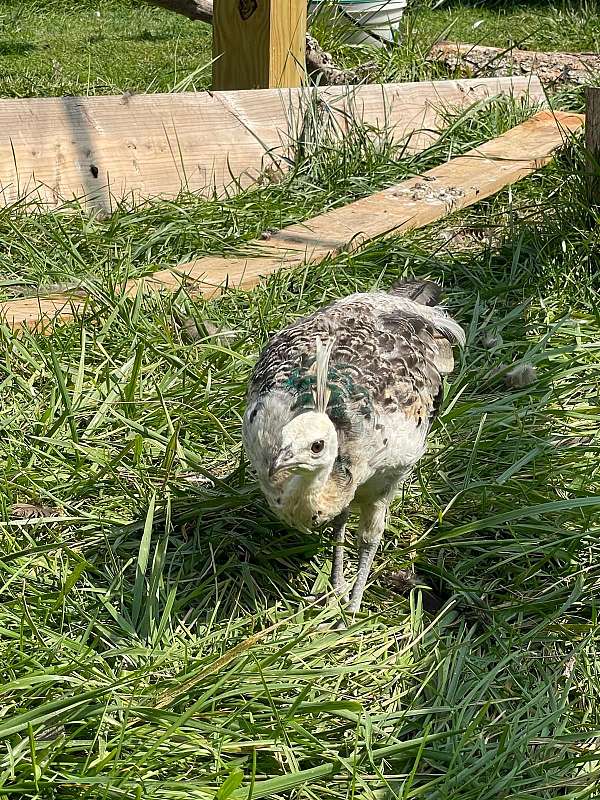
column 247, row 8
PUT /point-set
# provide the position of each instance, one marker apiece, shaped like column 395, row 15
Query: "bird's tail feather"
column 427, row 293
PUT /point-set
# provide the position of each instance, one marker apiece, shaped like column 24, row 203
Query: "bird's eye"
column 317, row 447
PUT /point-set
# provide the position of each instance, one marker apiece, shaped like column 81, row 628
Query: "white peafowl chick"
column 338, row 411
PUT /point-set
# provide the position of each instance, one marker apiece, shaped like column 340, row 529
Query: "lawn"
column 111, row 46
column 154, row 639
column 97, row 47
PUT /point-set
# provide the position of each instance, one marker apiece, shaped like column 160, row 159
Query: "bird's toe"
column 339, row 594
column 321, row 599
column 332, row 625
column 403, row 580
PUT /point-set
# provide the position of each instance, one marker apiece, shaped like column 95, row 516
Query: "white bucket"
column 369, row 21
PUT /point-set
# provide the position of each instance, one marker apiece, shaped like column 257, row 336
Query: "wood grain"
column 258, row 44
column 103, row 150
column 411, row 204
column 241, row 46
column 39, row 313
column 288, row 43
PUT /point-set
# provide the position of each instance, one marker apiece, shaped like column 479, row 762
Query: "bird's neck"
column 312, row 499
column 312, row 484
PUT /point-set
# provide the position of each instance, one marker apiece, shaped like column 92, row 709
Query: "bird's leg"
column 372, row 526
column 337, row 565
column 337, row 579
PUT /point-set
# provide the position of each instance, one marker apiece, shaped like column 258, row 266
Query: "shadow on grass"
column 223, row 555
column 15, row 48
column 151, row 36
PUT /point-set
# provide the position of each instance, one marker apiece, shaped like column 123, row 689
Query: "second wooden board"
column 411, row 204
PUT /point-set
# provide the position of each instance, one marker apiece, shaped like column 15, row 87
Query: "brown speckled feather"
column 389, row 356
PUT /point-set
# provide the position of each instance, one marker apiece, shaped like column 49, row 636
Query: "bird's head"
column 309, row 444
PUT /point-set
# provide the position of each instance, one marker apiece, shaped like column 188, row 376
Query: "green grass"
column 573, row 25
column 154, row 640
column 539, row 25
column 98, row 47
column 112, row 46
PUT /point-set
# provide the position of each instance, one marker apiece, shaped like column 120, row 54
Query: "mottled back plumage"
column 388, row 356
column 387, row 353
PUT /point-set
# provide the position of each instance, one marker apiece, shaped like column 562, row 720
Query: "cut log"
column 106, row 149
column 411, row 204
column 552, row 69
column 323, row 69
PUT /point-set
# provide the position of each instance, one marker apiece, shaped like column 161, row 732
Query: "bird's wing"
column 386, row 377
column 389, row 357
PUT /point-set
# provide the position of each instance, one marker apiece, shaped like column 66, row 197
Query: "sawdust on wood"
column 429, row 193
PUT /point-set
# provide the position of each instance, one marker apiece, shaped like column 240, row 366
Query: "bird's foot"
column 332, row 625
column 405, row 580
column 341, row 592
column 320, row 600
column 338, row 597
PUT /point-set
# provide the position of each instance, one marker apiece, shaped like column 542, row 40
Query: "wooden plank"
column 39, row 313
column 411, row 204
column 258, row 44
column 592, row 142
column 106, row 149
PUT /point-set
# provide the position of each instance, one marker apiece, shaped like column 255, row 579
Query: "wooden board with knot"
column 132, row 148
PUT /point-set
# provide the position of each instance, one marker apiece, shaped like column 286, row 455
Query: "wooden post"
column 258, row 44
column 592, row 142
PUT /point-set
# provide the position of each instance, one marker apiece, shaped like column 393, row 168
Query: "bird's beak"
column 281, row 461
